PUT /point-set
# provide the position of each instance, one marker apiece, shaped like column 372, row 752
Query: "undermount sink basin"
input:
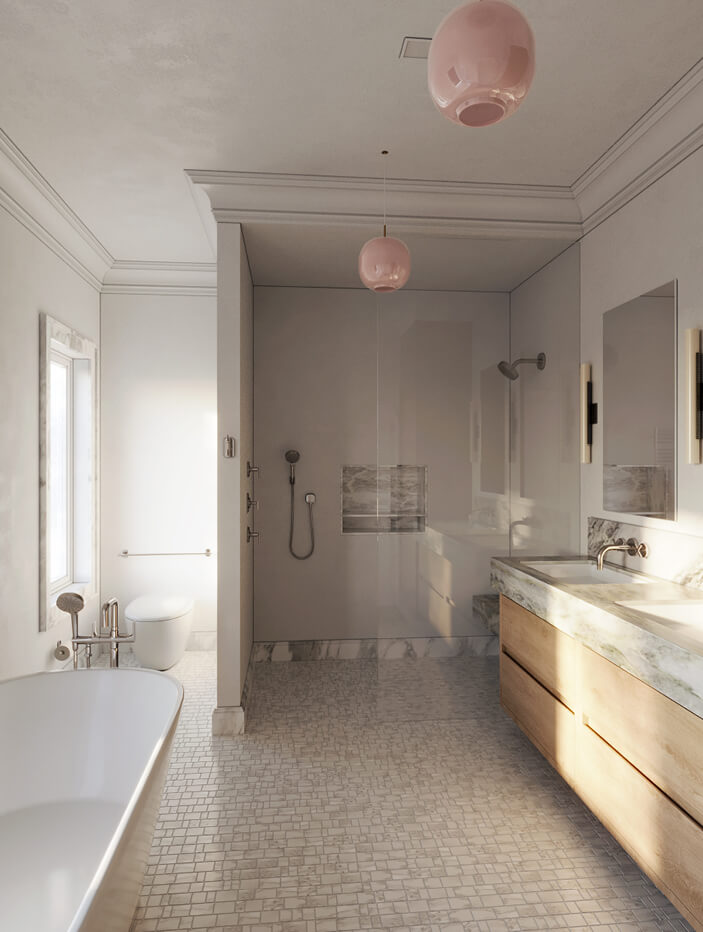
column 580, row 573
column 681, row 616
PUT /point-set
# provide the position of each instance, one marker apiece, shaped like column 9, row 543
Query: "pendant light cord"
column 384, row 153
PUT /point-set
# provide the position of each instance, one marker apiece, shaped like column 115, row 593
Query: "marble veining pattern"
column 375, row 648
column 641, row 490
column 627, row 638
column 378, row 797
column 487, row 607
column 384, row 499
column 676, row 557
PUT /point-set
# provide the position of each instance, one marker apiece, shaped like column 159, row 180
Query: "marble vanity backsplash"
column 676, row 557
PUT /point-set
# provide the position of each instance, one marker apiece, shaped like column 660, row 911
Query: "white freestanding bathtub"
column 83, row 756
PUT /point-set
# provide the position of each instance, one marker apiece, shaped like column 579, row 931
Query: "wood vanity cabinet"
column 633, row 755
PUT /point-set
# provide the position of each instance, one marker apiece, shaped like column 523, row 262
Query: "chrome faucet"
column 631, row 546
column 109, row 633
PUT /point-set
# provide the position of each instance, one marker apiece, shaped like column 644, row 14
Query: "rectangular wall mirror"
column 639, row 405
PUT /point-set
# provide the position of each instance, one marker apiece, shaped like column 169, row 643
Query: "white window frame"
column 66, row 343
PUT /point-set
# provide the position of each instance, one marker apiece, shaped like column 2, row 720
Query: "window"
column 60, row 471
column 68, row 467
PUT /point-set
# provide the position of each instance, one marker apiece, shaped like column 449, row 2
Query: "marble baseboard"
column 202, row 640
column 228, row 721
column 248, row 680
column 375, row 649
column 675, row 557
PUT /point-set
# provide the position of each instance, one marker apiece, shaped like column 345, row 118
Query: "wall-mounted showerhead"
column 510, row 372
column 509, row 369
column 292, row 457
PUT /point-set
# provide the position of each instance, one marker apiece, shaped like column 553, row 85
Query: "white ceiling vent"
column 414, row 47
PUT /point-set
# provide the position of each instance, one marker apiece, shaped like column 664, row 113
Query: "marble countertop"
column 669, row 660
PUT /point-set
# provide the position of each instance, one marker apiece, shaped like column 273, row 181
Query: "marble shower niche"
column 384, row 499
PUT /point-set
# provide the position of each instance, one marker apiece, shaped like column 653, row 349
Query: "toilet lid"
column 157, row 607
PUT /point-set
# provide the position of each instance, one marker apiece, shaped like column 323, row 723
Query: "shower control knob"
column 251, row 503
column 252, row 470
column 252, row 535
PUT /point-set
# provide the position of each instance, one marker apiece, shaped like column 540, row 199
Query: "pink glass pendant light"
column 384, row 261
column 481, row 63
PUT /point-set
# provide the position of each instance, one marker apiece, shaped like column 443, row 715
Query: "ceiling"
column 112, row 101
column 282, row 254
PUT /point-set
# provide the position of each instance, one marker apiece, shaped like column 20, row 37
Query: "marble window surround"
column 54, row 334
column 384, row 499
column 589, row 614
column 674, row 557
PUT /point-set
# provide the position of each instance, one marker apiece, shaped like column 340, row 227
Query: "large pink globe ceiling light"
column 384, row 261
column 481, row 63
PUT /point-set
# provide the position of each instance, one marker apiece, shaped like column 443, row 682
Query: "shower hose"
column 299, row 556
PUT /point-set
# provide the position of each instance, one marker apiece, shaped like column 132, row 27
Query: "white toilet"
column 161, row 625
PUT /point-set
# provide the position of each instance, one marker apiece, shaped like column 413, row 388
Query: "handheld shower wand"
column 72, row 603
column 292, row 457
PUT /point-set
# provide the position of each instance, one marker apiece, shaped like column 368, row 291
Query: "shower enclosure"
column 442, row 407
column 401, row 416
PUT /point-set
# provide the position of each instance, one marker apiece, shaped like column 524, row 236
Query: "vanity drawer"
column 662, row 839
column 658, row 736
column 545, row 721
column 544, row 651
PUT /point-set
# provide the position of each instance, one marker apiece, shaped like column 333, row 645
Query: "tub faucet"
column 630, row 546
column 72, row 603
column 111, row 622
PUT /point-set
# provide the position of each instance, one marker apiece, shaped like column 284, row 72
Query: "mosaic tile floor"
column 378, row 796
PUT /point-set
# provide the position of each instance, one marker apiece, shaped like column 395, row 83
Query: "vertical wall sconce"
column 694, row 396
column 589, row 412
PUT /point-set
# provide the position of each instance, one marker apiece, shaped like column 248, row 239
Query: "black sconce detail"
column 592, row 412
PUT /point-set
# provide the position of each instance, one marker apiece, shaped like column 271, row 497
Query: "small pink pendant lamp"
column 481, row 63
column 384, row 261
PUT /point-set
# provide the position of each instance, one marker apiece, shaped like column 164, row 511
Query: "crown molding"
column 194, row 279
column 402, row 224
column 669, row 132
column 361, row 183
column 31, row 200
column 413, row 206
